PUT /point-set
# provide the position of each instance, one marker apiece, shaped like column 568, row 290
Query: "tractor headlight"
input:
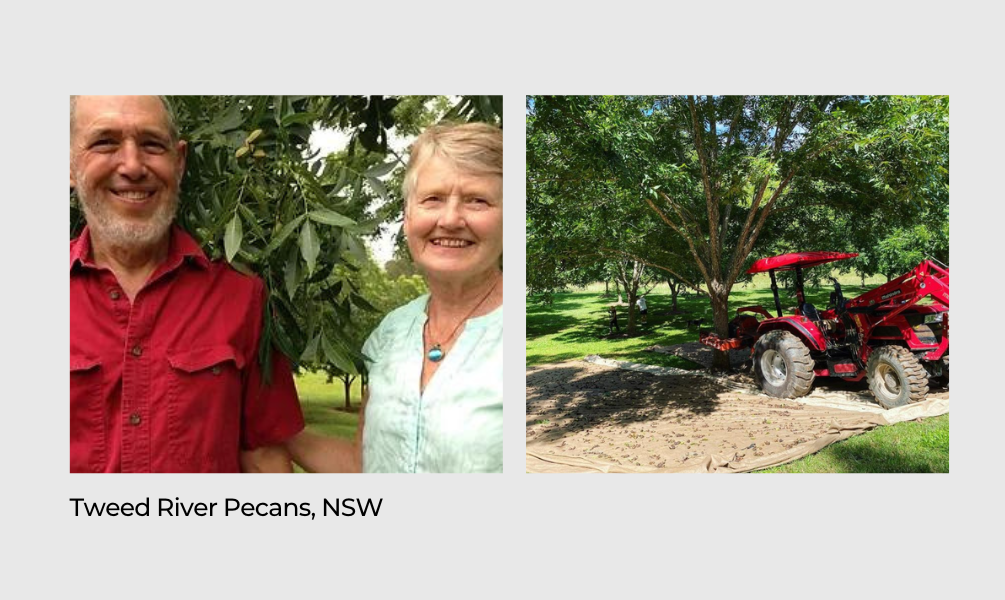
column 936, row 318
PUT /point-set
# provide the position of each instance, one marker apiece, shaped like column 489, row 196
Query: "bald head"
column 169, row 117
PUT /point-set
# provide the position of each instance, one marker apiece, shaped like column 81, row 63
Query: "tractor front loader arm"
column 927, row 279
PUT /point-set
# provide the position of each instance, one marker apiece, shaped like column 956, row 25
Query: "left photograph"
column 286, row 284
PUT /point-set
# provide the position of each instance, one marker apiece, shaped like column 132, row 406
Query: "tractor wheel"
column 782, row 365
column 896, row 377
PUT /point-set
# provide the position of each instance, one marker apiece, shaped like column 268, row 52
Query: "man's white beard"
column 117, row 233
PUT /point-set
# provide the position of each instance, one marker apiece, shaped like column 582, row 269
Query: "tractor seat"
column 810, row 312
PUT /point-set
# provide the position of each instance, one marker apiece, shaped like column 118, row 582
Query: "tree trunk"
column 674, row 291
column 632, row 296
column 347, row 382
column 720, row 316
column 607, row 288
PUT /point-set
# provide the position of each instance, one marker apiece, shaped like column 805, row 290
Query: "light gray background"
column 511, row 535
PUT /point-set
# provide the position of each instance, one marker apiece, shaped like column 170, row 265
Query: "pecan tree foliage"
column 725, row 175
column 256, row 194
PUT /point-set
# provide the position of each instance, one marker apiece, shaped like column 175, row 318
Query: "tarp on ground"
column 610, row 417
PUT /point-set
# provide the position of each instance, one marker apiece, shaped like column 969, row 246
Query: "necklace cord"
column 461, row 322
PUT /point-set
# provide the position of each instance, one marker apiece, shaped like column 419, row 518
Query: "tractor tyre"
column 782, row 365
column 896, row 377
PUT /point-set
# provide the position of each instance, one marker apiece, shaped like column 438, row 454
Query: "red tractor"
column 884, row 335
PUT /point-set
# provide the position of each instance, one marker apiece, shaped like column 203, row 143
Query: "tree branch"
column 734, row 125
column 713, row 208
column 749, row 246
column 687, row 238
column 650, row 264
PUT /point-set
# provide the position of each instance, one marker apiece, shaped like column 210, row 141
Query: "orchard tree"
column 585, row 224
column 721, row 172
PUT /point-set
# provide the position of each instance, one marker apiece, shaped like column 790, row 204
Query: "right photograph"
column 733, row 284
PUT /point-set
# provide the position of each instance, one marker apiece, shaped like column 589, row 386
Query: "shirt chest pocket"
column 88, row 426
column 204, row 405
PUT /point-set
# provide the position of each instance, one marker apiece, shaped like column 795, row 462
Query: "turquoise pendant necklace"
column 436, row 353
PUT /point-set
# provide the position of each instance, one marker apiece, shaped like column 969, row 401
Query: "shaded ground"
column 698, row 353
column 589, row 417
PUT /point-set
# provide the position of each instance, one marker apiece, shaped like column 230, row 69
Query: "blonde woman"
column 435, row 396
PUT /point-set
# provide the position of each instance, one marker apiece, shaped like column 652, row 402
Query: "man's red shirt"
column 171, row 382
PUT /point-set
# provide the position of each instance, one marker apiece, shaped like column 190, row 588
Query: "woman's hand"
column 322, row 454
column 268, row 459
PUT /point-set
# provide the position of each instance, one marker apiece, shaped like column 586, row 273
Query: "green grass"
column 913, row 447
column 324, row 405
column 575, row 325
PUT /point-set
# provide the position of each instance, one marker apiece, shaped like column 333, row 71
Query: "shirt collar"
column 182, row 247
column 80, row 249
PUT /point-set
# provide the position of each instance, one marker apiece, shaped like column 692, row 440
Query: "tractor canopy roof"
column 788, row 262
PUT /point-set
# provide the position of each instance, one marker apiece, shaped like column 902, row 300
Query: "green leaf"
column 283, row 233
column 381, row 170
column 330, row 217
column 311, row 351
column 292, row 274
column 364, row 228
column 251, row 220
column 282, row 337
column 288, row 108
column 357, row 187
column 233, row 237
column 341, row 181
column 485, row 106
column 310, row 245
column 277, row 109
column 337, row 356
column 299, row 118
column 377, row 186
column 350, row 244
column 231, row 119
column 265, row 342
column 242, row 268
column 362, row 303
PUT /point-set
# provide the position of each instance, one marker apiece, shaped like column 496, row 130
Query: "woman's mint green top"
column 456, row 425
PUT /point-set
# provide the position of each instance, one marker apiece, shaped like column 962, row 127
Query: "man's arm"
column 322, row 454
column 268, row 459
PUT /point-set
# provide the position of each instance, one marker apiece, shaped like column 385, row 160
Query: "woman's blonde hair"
column 475, row 148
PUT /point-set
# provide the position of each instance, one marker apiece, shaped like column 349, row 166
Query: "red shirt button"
column 135, row 419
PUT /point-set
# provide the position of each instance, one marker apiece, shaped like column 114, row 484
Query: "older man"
column 164, row 369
